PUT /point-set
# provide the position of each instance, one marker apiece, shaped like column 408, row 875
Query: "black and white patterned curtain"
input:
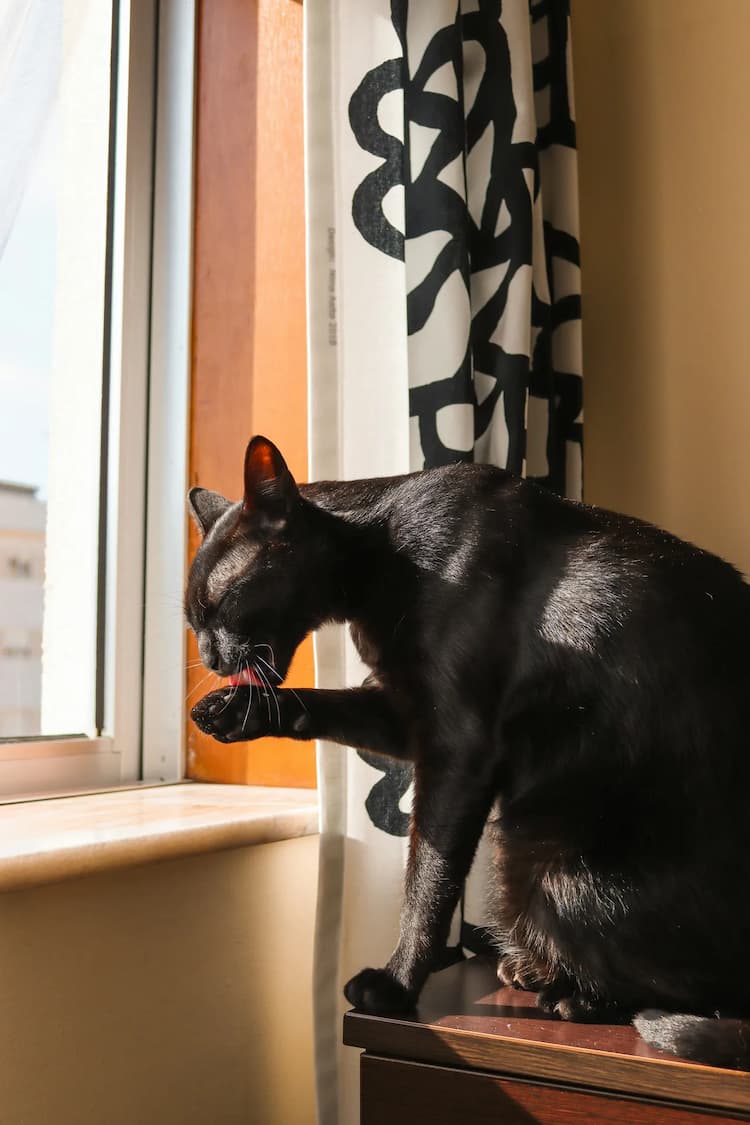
column 444, row 316
column 489, row 234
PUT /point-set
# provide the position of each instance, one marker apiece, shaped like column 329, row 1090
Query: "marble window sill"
column 61, row 838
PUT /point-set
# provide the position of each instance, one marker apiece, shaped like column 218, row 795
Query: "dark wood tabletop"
column 465, row 1020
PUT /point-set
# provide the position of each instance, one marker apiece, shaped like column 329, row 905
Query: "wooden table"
column 477, row 1054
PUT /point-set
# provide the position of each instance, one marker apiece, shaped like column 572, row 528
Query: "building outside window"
column 22, row 526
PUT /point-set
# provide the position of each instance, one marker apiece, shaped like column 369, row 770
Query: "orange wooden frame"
column 249, row 372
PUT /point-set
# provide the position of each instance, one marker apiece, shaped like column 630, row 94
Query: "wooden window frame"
column 249, row 330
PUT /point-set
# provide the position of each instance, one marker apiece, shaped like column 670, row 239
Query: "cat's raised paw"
column 232, row 714
column 377, row 992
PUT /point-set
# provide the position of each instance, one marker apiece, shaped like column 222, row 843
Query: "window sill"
column 69, row 837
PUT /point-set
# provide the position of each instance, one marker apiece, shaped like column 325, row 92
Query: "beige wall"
column 663, row 108
column 174, row 994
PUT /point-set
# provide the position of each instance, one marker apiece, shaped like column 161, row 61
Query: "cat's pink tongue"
column 246, row 677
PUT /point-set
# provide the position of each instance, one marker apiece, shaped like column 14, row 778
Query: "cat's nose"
column 206, row 650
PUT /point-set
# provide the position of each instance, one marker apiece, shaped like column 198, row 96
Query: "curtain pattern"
column 487, row 169
column 444, row 324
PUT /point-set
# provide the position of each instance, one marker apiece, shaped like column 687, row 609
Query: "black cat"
column 580, row 678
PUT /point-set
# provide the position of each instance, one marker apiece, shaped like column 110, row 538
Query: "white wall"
column 663, row 100
column 173, row 994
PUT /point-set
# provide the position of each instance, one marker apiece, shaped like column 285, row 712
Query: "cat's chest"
column 367, row 646
column 390, row 658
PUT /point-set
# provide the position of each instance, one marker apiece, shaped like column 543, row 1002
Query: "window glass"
column 54, row 135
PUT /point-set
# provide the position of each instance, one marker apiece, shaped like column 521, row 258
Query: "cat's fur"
column 580, row 678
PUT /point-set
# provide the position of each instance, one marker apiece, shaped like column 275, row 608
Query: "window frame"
column 249, row 318
column 138, row 665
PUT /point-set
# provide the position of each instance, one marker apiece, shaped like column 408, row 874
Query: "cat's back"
column 625, row 589
column 610, row 598
column 473, row 526
column 489, row 519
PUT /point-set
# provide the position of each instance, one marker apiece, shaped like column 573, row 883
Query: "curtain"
column 30, row 61
column 444, row 325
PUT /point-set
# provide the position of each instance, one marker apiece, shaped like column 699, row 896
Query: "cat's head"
column 248, row 596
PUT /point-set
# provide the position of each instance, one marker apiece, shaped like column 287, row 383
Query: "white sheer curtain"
column 359, row 427
column 444, row 324
column 30, row 59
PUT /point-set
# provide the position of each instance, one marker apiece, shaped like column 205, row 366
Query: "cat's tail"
column 713, row 1042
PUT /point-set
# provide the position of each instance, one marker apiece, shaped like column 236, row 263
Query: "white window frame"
column 138, row 735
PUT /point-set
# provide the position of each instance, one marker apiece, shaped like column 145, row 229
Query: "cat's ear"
column 270, row 489
column 206, row 508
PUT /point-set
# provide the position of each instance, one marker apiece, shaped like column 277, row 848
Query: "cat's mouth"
column 258, row 671
column 247, row 677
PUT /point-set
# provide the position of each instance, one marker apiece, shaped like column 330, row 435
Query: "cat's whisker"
column 297, row 697
column 234, row 688
column 239, row 669
column 273, row 693
column 249, row 699
column 270, row 667
column 270, row 652
column 241, row 666
column 230, row 696
column 200, row 684
column 287, row 688
column 259, row 673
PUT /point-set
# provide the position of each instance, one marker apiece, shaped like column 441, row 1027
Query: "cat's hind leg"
column 522, row 969
column 577, row 1005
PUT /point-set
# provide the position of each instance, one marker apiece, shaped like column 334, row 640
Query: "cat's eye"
column 223, row 603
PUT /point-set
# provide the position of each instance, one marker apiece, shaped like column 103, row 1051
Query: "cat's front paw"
column 233, row 714
column 378, row 993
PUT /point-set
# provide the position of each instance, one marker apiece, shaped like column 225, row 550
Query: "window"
column 95, row 238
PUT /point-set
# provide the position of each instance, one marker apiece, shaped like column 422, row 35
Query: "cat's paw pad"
column 377, row 992
column 206, row 710
column 230, row 714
